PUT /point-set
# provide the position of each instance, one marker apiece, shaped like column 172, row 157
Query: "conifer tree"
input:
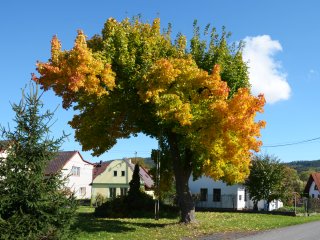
column 135, row 182
column 32, row 204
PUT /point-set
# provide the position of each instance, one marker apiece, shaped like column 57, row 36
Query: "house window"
column 75, row 171
column 315, row 187
column 312, row 195
column 82, row 191
column 115, row 173
column 203, row 194
column 240, row 197
column 216, row 194
column 123, row 191
column 123, row 173
column 112, row 192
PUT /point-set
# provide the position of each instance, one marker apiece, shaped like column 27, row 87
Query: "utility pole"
column 157, row 184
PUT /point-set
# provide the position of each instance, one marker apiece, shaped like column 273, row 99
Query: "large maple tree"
column 134, row 78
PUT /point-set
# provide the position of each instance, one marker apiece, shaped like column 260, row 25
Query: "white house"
column 313, row 185
column 3, row 154
column 77, row 171
column 111, row 179
column 217, row 194
column 3, row 145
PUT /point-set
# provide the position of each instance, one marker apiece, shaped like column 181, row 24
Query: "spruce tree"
column 32, row 205
column 135, row 182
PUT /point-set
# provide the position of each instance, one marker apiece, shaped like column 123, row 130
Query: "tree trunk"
column 185, row 201
column 182, row 167
column 267, row 206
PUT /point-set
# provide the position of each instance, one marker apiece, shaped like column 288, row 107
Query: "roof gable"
column 314, row 177
column 103, row 166
column 148, row 182
column 60, row 160
column 99, row 168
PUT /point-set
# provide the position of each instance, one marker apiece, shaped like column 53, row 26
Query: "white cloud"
column 313, row 74
column 265, row 73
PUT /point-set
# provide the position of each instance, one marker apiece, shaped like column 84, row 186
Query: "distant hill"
column 147, row 163
column 302, row 166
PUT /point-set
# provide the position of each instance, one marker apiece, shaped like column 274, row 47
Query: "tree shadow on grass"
column 87, row 222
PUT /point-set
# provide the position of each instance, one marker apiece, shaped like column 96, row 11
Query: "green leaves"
column 266, row 178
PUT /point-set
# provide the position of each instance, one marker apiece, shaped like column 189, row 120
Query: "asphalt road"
column 307, row 231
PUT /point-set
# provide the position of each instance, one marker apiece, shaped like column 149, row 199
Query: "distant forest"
column 305, row 168
column 301, row 166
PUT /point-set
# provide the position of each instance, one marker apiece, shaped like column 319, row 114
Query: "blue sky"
column 282, row 49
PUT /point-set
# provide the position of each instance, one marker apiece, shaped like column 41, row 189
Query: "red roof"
column 314, row 177
column 3, row 145
column 99, row 168
column 61, row 159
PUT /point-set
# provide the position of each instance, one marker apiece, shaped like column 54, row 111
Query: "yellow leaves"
column 177, row 86
column 221, row 129
column 237, row 136
column 184, row 115
column 71, row 71
column 167, row 85
column 55, row 49
column 156, row 26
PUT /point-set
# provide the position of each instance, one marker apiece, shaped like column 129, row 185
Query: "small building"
column 111, row 179
column 76, row 170
column 209, row 193
column 3, row 147
column 313, row 185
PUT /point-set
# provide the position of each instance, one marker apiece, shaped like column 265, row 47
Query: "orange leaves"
column 232, row 142
column 221, row 130
column 69, row 72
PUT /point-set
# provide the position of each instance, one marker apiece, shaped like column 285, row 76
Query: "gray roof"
column 61, row 159
column 148, row 182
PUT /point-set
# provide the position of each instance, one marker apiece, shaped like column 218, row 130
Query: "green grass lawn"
column 89, row 227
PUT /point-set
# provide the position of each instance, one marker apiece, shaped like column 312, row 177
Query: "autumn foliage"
column 133, row 79
column 70, row 72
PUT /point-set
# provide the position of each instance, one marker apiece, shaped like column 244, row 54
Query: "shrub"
column 290, row 209
column 127, row 207
column 99, row 200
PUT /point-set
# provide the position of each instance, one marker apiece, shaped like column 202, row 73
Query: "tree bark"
column 182, row 167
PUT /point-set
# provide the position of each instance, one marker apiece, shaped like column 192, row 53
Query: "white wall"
column 107, row 180
column 275, row 204
column 232, row 196
column 3, row 154
column 83, row 180
column 312, row 191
